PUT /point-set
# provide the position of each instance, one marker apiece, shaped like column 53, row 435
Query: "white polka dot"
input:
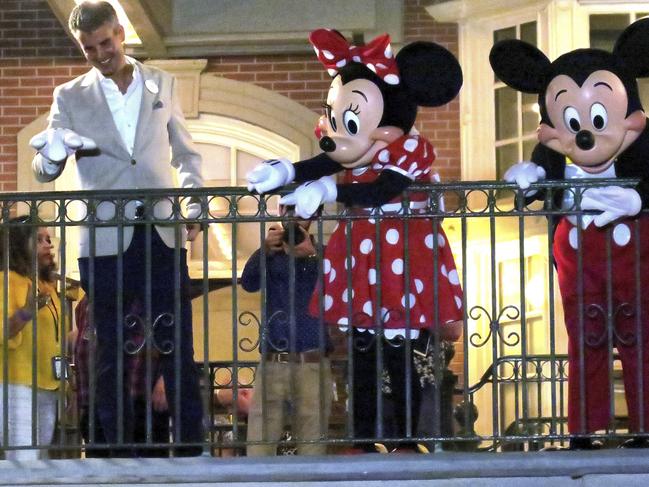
column 385, row 314
column 371, row 276
column 422, row 319
column 366, row 246
column 326, row 264
column 357, row 59
column 353, row 262
column 328, row 302
column 332, row 72
column 411, row 301
column 443, row 270
column 454, row 278
column 388, row 51
column 397, row 266
column 341, row 63
column 621, row 234
column 346, row 293
column 428, row 240
column 392, row 236
column 368, row 309
column 384, row 155
column 426, row 171
column 377, row 167
column 419, row 285
column 572, row 237
column 336, row 227
column 410, row 145
column 343, row 321
column 441, row 241
column 371, row 67
column 458, row 302
column 327, row 54
column 401, row 159
column 391, row 79
column 413, row 167
column 417, row 173
column 371, row 221
column 317, row 52
column 381, row 65
column 332, row 276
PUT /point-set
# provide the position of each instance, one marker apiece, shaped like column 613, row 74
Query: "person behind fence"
column 293, row 384
column 123, row 122
column 32, row 339
column 593, row 126
column 136, row 367
column 368, row 134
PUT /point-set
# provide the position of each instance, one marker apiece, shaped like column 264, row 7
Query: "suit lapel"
column 150, row 96
column 92, row 87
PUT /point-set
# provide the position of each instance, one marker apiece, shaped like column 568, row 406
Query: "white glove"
column 613, row 201
column 309, row 196
column 59, row 144
column 525, row 173
column 270, row 175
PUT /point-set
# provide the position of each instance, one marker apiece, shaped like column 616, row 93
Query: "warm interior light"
column 131, row 36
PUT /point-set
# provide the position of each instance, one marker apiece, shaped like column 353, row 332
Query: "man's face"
column 104, row 48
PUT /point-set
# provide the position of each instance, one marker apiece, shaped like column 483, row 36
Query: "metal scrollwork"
column 166, row 345
column 246, row 319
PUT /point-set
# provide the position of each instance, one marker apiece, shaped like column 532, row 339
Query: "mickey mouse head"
column 588, row 98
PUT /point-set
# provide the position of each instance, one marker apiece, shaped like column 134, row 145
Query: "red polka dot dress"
column 398, row 300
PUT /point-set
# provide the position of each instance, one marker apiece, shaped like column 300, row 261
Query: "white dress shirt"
column 125, row 107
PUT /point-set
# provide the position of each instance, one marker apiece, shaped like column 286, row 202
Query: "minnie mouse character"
column 367, row 132
column 593, row 126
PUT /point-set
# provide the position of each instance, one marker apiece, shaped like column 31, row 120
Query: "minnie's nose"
column 327, row 144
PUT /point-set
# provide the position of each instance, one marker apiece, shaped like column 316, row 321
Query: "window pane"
column 643, row 88
column 245, row 163
column 502, row 34
column 531, row 116
column 528, row 147
column 506, row 113
column 216, row 162
column 528, row 33
column 605, row 29
column 506, row 155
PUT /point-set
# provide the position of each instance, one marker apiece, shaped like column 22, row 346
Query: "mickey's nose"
column 327, row 144
column 585, row 140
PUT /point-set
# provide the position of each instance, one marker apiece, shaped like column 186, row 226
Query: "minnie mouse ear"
column 633, row 48
column 519, row 65
column 429, row 73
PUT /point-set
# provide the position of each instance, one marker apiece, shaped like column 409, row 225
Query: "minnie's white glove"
column 525, row 173
column 309, row 196
column 613, row 201
column 57, row 145
column 270, row 175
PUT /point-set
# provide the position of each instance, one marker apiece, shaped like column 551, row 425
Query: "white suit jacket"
column 162, row 143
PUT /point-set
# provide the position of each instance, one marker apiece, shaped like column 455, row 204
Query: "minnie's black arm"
column 387, row 186
column 315, row 168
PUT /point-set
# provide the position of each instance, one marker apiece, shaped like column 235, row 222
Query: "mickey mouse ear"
column 519, row 65
column 633, row 47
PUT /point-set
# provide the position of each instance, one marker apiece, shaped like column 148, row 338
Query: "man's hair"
column 88, row 16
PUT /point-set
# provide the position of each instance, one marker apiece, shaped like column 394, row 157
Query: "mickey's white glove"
column 309, row 196
column 57, row 145
column 613, row 201
column 525, row 173
column 270, row 175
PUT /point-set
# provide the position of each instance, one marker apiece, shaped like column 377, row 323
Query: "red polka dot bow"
column 334, row 52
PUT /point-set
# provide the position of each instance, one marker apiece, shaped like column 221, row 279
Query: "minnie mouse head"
column 374, row 95
column 588, row 98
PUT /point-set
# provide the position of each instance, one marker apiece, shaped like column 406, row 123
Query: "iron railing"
column 506, row 388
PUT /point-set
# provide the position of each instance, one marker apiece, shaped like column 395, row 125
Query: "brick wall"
column 35, row 56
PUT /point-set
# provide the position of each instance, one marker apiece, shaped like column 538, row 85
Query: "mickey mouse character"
column 593, row 126
column 367, row 133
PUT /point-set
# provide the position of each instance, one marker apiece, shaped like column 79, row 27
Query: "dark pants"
column 394, row 401
column 188, row 419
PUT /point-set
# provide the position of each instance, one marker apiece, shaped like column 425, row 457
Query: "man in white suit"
column 122, row 120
